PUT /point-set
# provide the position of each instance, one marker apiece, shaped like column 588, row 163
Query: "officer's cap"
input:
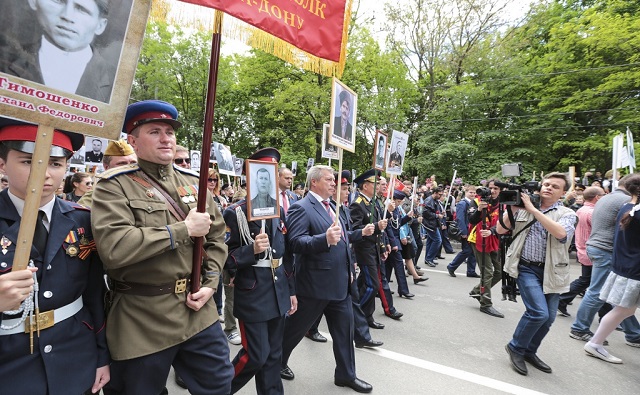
column 344, row 179
column 118, row 148
column 398, row 195
column 368, row 176
column 150, row 111
column 21, row 136
column 268, row 154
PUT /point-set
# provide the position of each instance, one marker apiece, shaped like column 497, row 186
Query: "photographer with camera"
column 538, row 258
column 483, row 239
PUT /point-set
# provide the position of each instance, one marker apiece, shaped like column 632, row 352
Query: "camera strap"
column 533, row 221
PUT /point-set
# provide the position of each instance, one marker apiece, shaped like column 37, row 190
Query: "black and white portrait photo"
column 310, row 163
column 195, row 160
column 78, row 157
column 223, row 157
column 397, row 151
column 73, row 46
column 94, row 149
column 294, row 168
column 329, row 151
column 380, row 150
column 238, row 166
column 262, row 190
column 343, row 116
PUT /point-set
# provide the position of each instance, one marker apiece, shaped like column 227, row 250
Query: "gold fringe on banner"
column 189, row 15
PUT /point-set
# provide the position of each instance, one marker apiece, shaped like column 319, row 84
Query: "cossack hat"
column 21, row 136
column 118, row 148
column 399, row 195
column 150, row 111
column 368, row 176
column 344, row 179
column 268, row 154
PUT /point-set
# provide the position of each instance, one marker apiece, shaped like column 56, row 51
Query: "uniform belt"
column 46, row 319
column 127, row 288
column 272, row 263
column 527, row 262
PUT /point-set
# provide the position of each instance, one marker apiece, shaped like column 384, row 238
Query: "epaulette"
column 116, row 171
column 77, row 206
column 359, row 199
column 236, row 204
column 186, row 171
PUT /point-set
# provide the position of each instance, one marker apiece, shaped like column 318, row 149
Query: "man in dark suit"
column 263, row 291
column 342, row 125
column 287, row 197
column 64, row 57
column 324, row 271
column 395, row 158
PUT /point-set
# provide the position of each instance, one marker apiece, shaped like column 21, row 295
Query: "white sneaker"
column 600, row 353
column 234, row 338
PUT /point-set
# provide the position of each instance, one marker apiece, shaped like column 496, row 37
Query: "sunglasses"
column 88, row 183
column 212, row 179
column 180, row 161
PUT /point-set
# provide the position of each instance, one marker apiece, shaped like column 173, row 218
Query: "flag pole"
column 207, row 132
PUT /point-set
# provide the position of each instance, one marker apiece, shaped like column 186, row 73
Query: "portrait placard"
column 379, row 150
column 80, row 81
column 223, row 157
column 328, row 151
column 195, row 160
column 310, row 163
column 294, row 167
column 397, row 151
column 94, row 148
column 262, row 190
column 344, row 105
column 238, row 165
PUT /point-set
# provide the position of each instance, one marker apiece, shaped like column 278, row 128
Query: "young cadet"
column 69, row 353
column 264, row 291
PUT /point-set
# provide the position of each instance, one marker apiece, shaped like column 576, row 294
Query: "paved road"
column 445, row 345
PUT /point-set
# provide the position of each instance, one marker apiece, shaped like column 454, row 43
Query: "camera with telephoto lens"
column 484, row 194
column 511, row 194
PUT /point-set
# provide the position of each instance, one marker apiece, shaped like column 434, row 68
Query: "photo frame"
column 310, row 163
column 195, row 159
column 94, row 148
column 344, row 105
column 262, row 190
column 294, row 168
column 329, row 151
column 380, row 150
column 396, row 152
column 223, row 157
column 238, row 165
column 88, row 97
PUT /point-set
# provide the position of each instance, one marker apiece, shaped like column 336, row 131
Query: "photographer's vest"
column 556, row 268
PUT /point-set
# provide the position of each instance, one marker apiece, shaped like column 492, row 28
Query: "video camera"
column 484, row 194
column 511, row 194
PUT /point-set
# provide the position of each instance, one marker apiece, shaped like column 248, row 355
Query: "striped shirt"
column 535, row 245
column 583, row 230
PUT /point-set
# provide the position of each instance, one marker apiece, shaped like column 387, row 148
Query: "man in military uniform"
column 118, row 153
column 95, row 155
column 264, row 291
column 144, row 219
column 66, row 351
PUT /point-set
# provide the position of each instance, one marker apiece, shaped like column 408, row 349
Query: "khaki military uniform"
column 140, row 241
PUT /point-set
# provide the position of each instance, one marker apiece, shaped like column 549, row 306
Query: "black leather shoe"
column 395, row 315
column 474, row 275
column 517, row 361
column 370, row 344
column 430, row 263
column 419, row 280
column 537, row 363
column 440, row 257
column 562, row 311
column 491, row 311
column 375, row 325
column 407, row 295
column 392, row 292
column 451, row 273
column 356, row 385
column 180, row 382
column 417, row 267
column 286, row 373
column 316, row 337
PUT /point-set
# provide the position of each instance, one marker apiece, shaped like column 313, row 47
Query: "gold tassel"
column 185, row 14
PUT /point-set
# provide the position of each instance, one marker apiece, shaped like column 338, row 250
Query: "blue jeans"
column 591, row 302
column 466, row 254
column 434, row 240
column 540, row 314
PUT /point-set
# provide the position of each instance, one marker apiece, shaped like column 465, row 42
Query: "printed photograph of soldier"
column 310, row 163
column 294, row 168
column 195, row 160
column 74, row 46
column 329, row 150
column 94, row 149
column 238, row 165
column 343, row 112
column 262, row 185
column 379, row 155
column 397, row 152
column 223, row 157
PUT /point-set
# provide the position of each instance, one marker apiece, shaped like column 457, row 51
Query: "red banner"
column 314, row 26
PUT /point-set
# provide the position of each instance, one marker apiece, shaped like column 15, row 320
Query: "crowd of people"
column 330, row 251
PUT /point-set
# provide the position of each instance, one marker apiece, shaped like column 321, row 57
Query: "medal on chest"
column 188, row 193
column 4, row 242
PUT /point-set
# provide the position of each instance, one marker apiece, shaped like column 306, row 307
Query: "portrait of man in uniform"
column 397, row 152
column 343, row 115
column 329, row 151
column 94, row 153
column 380, row 150
column 224, row 158
column 64, row 44
column 262, row 190
column 195, row 160
column 238, row 164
